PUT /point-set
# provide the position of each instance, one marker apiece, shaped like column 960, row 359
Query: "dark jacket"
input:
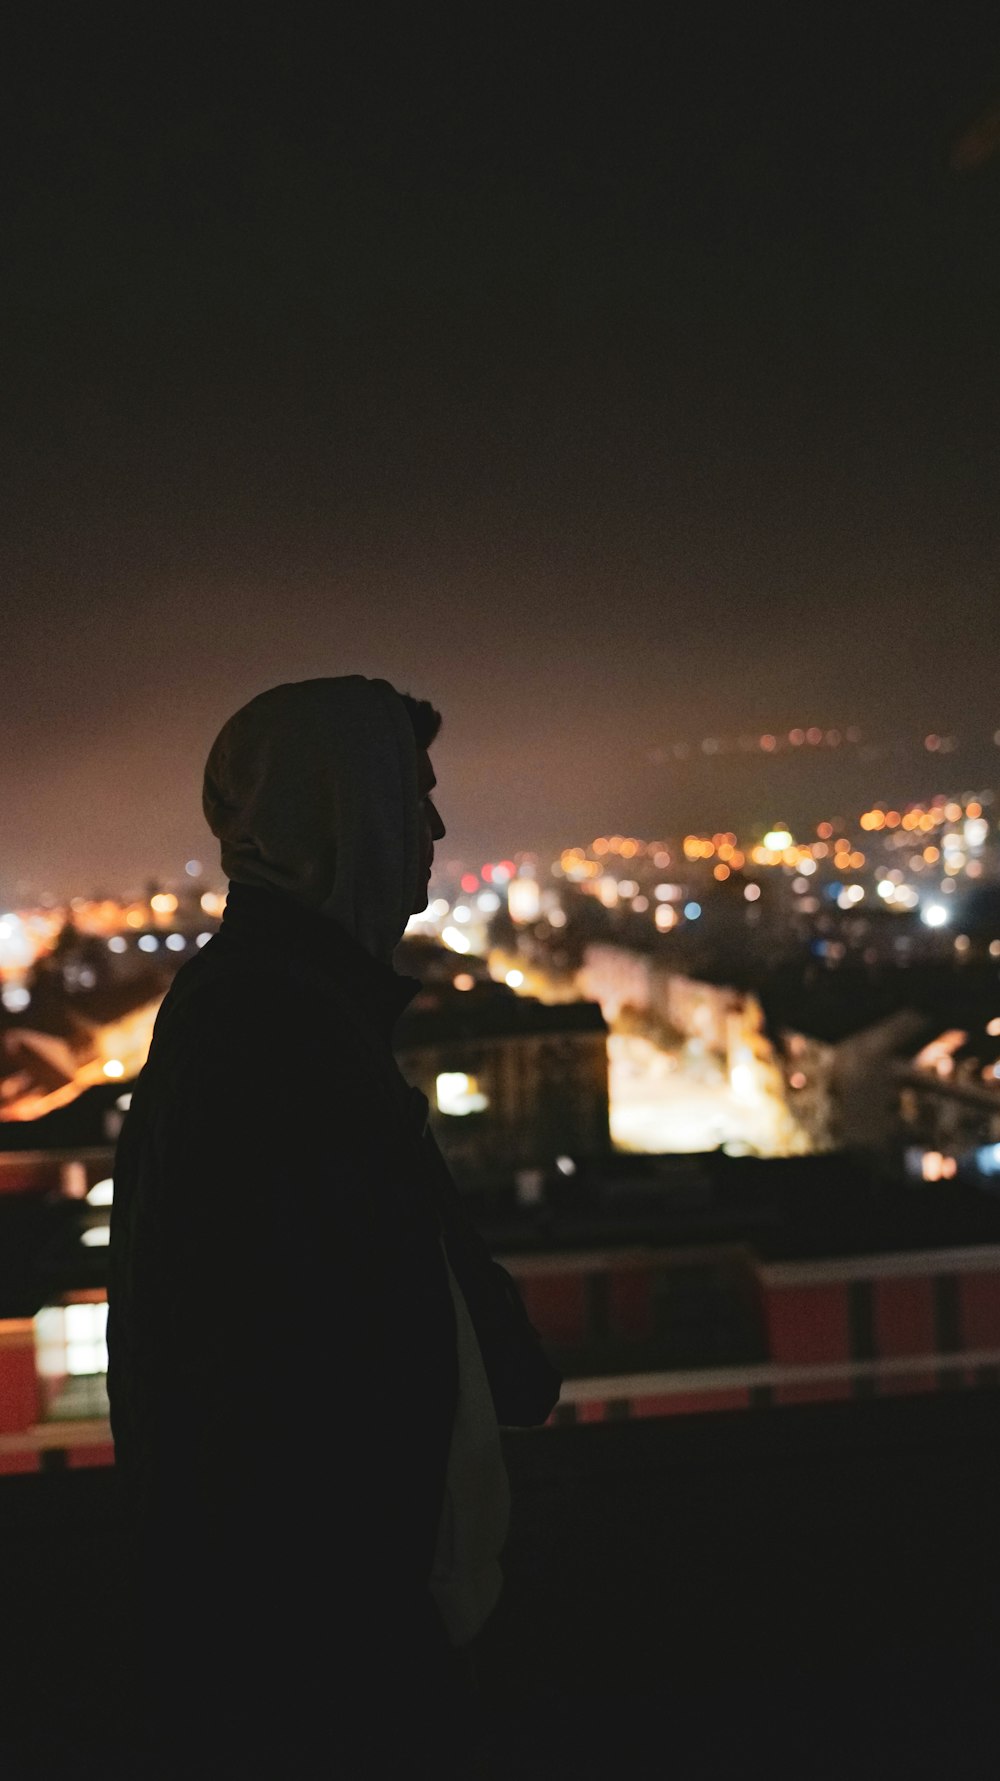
column 281, row 1336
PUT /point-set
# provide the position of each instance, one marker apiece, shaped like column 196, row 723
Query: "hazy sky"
column 611, row 376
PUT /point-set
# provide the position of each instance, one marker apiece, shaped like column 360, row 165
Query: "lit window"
column 71, row 1339
column 459, row 1094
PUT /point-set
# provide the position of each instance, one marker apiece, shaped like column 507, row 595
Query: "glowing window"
column 71, row 1339
column 459, row 1094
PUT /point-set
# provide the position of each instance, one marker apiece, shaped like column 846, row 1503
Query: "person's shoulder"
column 255, row 1024
column 217, row 993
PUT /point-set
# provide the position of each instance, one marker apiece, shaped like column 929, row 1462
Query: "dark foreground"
column 802, row 1593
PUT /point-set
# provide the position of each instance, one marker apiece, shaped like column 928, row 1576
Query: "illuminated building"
column 512, row 1082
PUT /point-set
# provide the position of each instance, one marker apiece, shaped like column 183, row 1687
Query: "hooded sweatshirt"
column 312, row 790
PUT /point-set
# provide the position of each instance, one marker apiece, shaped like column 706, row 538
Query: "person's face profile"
column 430, row 826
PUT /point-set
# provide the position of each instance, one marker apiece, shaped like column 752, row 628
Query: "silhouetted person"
column 310, row 1346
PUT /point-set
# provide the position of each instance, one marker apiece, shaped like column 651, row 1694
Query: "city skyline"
column 165, row 873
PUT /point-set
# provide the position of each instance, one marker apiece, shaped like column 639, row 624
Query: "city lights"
column 916, row 864
column 459, row 1094
column 16, row 950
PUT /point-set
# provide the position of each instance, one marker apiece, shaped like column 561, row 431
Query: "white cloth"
column 312, row 790
column 466, row 1578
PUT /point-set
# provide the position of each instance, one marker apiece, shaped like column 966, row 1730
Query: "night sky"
column 611, row 376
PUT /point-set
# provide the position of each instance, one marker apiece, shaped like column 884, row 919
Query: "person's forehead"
column 425, row 772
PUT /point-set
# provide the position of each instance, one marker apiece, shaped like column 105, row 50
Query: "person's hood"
column 311, row 789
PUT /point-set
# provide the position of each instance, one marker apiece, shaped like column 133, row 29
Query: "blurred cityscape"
column 772, row 995
column 693, row 1086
